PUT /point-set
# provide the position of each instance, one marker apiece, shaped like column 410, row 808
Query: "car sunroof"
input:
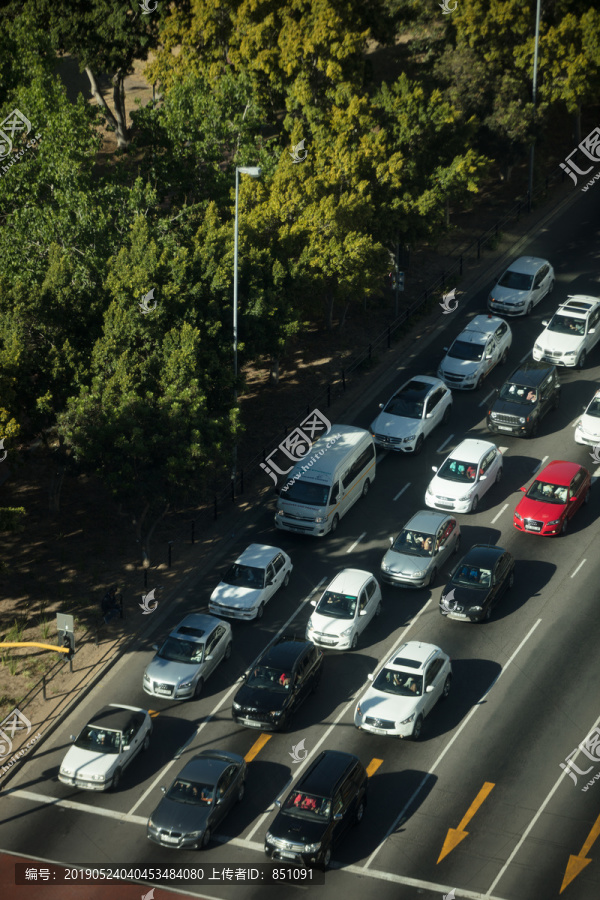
column 190, row 631
column 411, row 663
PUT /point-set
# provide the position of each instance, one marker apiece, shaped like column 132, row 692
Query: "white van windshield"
column 306, row 492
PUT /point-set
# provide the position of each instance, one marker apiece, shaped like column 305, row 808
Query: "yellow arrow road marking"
column 35, row 644
column 456, row 835
column 578, row 863
column 373, row 766
column 153, row 713
column 257, row 747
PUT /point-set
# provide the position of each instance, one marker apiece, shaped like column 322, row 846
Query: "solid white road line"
column 357, row 541
column 519, row 844
column 485, row 399
column 399, row 494
column 583, row 561
column 464, row 724
column 539, row 466
column 72, row 804
column 525, row 357
column 442, row 446
column 497, row 516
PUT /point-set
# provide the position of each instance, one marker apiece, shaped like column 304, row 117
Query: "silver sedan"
column 421, row 549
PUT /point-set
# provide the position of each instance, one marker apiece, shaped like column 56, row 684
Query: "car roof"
column 483, row 325
column 258, row 555
column 349, row 580
column 326, row 772
column 410, row 653
column 527, row 265
column 471, row 450
column 195, row 627
column 284, row 653
column 559, row 471
column 337, row 445
column 530, row 373
column 421, row 385
column 207, row 768
column 578, row 305
column 426, row 520
column 483, row 556
column 116, row 718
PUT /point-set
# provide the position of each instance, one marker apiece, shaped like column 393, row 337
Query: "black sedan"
column 199, row 798
column 477, row 584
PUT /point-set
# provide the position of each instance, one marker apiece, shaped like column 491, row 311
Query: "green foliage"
column 11, row 518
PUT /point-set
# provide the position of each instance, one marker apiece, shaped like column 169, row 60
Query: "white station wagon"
column 344, row 610
column 250, row 582
column 571, row 333
column 483, row 344
column 526, row 281
column 465, row 476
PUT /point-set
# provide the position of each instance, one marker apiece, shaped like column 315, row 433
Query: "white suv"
column 483, row 344
column 526, row 281
column 571, row 332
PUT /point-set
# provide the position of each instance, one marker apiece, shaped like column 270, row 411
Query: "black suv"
column 523, row 401
column 329, row 798
column 279, row 681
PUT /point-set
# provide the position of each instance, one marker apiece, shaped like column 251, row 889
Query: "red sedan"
column 553, row 498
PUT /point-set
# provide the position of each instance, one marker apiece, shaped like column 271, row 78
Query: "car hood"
column 465, row 597
column 452, row 489
column 512, row 408
column 537, row 509
column 459, row 366
column 184, row 817
column 395, row 426
column 86, row 763
column 552, row 340
column 329, row 625
column 261, row 698
column 297, row 829
column 241, row 598
column 591, row 425
column 405, row 563
column 170, row 672
column 509, row 295
column 385, row 706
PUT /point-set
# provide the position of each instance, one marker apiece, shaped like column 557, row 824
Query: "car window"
column 240, row 575
column 225, row 781
column 363, row 600
column 539, row 278
column 308, row 805
column 576, row 483
column 501, row 330
column 192, row 792
column 434, row 400
column 371, row 587
column 432, row 671
column 487, row 461
column 270, row 573
column 594, row 317
column 278, row 563
column 403, row 684
column 338, row 803
column 303, row 668
column 489, row 349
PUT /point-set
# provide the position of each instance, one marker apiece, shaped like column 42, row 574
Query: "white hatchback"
column 587, row 430
column 250, row 582
column 404, row 691
column 526, row 281
column 465, row 476
column 344, row 610
column 483, row 344
column 411, row 414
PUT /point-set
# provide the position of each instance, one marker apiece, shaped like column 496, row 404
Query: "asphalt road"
column 524, row 693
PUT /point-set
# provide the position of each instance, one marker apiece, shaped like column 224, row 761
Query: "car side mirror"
column 337, row 817
column 429, row 415
column 381, row 406
column 429, row 689
column 482, row 477
column 591, row 331
column 445, row 349
column 523, row 489
column 571, row 499
column 126, row 747
column 278, row 802
column 218, row 801
column 391, row 540
column 72, row 737
column 163, row 789
column 370, row 676
column 363, row 612
column 155, row 647
column 434, row 468
column 313, row 602
column 545, row 322
column 209, row 657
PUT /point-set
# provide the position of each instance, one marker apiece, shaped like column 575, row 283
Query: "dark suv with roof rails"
column 524, row 399
column 329, row 798
column 278, row 682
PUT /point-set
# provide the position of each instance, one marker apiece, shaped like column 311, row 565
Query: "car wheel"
column 447, row 686
column 475, row 503
column 565, row 525
column 457, row 545
column 586, row 499
column 146, row 743
column 534, row 429
column 504, row 356
column 419, row 445
column 487, row 614
column 499, row 475
column 446, row 416
column 227, row 653
column 378, row 610
column 286, row 580
column 479, row 383
column 418, row 728
column 198, row 688
column 432, row 577
column 529, row 308
column 556, row 400
column 354, row 644
column 581, row 360
column 511, row 580
column 366, row 487
column 205, row 839
column 117, row 779
column 260, row 611
column 335, row 523
column 315, row 684
column 326, row 858
column 241, row 792
column 360, row 811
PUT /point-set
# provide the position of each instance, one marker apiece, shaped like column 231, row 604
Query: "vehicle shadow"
column 265, row 781
column 531, row 576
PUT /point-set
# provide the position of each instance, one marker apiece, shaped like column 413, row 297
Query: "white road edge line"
column 465, row 722
column 485, row 399
column 73, row 804
column 442, row 446
column 399, row 494
column 357, row 541
column 582, row 563
column 497, row 516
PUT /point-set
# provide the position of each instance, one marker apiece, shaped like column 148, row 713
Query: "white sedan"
column 105, row 747
column 405, row 691
column 344, row 610
column 411, row 414
column 250, row 582
column 465, row 476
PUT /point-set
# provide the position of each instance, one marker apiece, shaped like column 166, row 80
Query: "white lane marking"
column 582, row 563
column 539, row 466
column 345, row 708
column 442, row 446
column 525, row 357
column 575, row 421
column 485, row 399
column 497, row 516
column 399, row 494
column 464, row 724
column 380, row 456
column 503, row 450
column 235, row 687
column 531, row 825
column 596, row 474
column 81, row 807
column 357, row 541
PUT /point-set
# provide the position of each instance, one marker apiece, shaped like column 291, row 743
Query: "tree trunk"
column 343, row 316
column 139, row 523
column 55, row 489
column 507, row 172
column 330, row 313
column 274, row 373
column 148, row 537
column 116, row 120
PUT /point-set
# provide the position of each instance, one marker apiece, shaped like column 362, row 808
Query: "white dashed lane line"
column 582, row 563
column 357, row 541
column 485, row 399
column 446, row 442
column 497, row 516
column 525, row 357
column 539, row 465
column 399, row 494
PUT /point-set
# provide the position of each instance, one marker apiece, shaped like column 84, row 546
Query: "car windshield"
column 457, row 470
column 406, row 684
column 405, row 406
column 308, row 805
column 192, row 792
column 337, row 606
column 306, row 492
column 99, row 739
column 275, row 679
column 242, row 576
column 473, row 576
column 518, row 393
column 414, row 543
column 548, row 493
column 594, row 408
column 516, row 280
column 176, row 650
column 566, row 324
column 463, row 350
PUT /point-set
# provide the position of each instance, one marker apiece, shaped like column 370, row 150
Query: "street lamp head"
column 254, row 171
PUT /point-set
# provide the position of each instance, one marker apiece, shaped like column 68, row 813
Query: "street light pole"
column 253, row 171
column 534, row 98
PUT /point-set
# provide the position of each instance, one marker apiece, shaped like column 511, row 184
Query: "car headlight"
column 494, row 415
column 151, row 824
column 521, row 420
column 554, row 522
column 194, row 834
column 476, row 608
column 312, row 848
column 347, row 631
column 358, row 709
column 537, row 347
column 385, row 567
column 67, row 772
column 269, row 837
column 276, row 712
column 517, row 516
column 418, row 574
column 579, row 426
column 184, row 685
column 518, row 303
column 147, row 677
column 429, row 491
column 310, row 626
column 321, row 519
column 98, row 778
column 406, row 721
column 280, row 512
column 571, row 353
column 407, row 440
column 236, row 705
column 491, row 299
column 466, row 497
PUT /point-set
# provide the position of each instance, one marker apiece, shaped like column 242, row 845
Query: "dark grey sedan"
column 200, row 797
